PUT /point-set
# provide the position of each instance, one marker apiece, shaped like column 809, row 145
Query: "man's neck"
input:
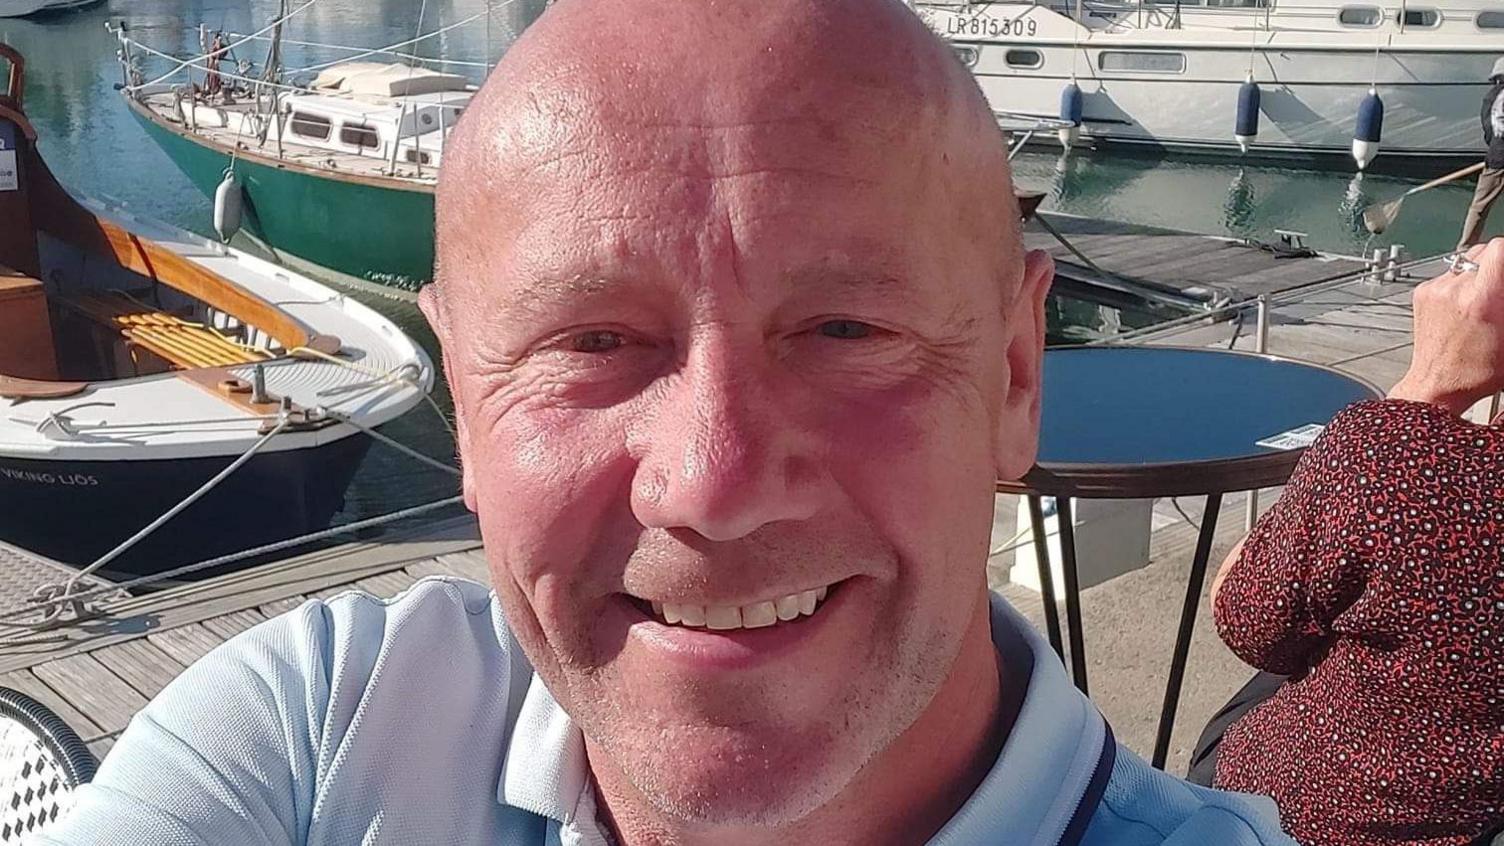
column 911, row 789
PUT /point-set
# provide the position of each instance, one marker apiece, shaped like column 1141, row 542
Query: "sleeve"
column 224, row 754
column 1298, row 568
column 1495, row 127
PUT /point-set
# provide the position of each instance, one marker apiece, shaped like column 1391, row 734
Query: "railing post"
column 1261, row 344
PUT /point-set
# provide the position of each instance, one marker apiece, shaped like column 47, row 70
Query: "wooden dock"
column 99, row 672
column 1198, row 268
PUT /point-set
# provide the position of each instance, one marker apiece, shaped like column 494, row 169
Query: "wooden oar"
column 1378, row 218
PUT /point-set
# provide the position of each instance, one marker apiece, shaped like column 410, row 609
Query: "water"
column 1224, row 198
column 95, row 147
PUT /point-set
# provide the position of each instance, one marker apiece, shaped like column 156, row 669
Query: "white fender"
column 1364, row 152
column 227, row 203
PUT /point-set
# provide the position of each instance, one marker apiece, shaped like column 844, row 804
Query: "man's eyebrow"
column 827, row 281
column 551, row 293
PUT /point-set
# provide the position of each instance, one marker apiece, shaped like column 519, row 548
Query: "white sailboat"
column 1269, row 78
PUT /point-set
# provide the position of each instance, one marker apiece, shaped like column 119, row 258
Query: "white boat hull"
column 1310, row 109
column 1311, row 83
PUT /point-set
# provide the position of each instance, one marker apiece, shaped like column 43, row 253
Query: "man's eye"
column 845, row 330
column 596, row 341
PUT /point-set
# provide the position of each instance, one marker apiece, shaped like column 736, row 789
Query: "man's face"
column 733, row 374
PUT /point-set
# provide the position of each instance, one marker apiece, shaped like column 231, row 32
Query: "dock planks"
column 98, row 674
column 1182, row 261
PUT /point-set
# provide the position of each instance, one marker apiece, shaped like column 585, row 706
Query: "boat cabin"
column 378, row 110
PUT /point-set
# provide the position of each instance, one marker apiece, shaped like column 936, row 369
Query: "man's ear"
column 434, row 307
column 1017, row 437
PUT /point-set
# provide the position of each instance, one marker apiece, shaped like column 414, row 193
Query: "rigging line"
column 390, row 47
column 375, row 433
column 292, row 88
column 186, row 62
column 264, row 549
column 378, row 374
column 180, row 507
column 348, row 49
column 412, row 67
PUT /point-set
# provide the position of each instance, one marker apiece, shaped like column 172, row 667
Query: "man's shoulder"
column 1143, row 806
column 354, row 643
column 312, row 725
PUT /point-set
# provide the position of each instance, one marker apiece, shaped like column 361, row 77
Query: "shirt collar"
column 1029, row 795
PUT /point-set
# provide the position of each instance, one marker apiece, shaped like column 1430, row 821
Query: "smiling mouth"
column 756, row 615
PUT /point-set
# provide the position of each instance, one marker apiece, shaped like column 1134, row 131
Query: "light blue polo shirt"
column 417, row 720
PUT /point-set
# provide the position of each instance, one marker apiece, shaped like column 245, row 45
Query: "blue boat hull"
column 76, row 511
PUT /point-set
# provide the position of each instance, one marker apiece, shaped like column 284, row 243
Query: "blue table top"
column 1166, row 405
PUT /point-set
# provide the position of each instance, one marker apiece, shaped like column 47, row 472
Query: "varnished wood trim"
column 7, row 113
column 14, row 387
column 150, row 259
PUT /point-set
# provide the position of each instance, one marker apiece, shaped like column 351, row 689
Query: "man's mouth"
column 756, row 615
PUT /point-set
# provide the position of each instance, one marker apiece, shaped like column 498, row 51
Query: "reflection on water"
column 1247, row 201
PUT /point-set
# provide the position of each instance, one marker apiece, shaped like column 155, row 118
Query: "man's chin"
column 722, row 779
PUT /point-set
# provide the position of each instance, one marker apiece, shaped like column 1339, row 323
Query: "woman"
column 1376, row 584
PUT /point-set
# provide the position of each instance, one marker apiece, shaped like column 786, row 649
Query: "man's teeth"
column 754, row 616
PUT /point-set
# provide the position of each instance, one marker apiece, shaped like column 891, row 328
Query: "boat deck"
column 98, row 673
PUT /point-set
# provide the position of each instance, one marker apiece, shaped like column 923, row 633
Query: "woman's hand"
column 1459, row 335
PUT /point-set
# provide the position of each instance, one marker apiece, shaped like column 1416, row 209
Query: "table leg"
column 1187, row 626
column 1046, row 577
column 1072, row 591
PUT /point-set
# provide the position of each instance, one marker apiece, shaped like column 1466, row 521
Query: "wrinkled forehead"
column 801, row 176
column 808, row 144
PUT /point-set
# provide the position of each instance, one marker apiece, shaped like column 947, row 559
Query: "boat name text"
column 78, row 479
column 991, row 27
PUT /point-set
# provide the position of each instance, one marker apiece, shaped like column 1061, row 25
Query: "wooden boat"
column 139, row 361
column 25, row 8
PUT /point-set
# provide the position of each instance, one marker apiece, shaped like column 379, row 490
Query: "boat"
column 26, row 8
column 336, row 173
column 1263, row 79
column 141, row 363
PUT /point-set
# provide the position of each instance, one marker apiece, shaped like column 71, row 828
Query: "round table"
column 1145, row 422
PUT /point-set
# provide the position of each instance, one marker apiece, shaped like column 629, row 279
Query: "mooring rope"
column 52, row 599
column 9, row 618
column 198, row 494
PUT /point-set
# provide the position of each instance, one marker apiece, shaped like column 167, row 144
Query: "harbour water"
column 96, row 148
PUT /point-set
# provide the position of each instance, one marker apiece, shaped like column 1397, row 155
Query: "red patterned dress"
column 1378, row 577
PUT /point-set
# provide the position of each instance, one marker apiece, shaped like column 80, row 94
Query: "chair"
column 42, row 763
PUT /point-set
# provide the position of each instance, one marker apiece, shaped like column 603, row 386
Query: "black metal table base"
column 1194, row 584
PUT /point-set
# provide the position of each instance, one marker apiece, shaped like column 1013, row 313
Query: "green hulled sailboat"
column 338, row 172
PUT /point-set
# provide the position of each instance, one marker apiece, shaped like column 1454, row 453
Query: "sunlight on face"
column 731, row 393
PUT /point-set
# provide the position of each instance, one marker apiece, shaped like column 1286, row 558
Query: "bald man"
column 740, row 332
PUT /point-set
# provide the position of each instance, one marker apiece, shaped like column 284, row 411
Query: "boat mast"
column 272, row 78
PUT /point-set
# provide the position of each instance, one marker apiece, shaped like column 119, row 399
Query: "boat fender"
column 1370, row 128
column 1246, row 127
column 227, row 203
column 1070, row 111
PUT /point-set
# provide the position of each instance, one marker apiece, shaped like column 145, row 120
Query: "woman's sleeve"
column 1297, row 569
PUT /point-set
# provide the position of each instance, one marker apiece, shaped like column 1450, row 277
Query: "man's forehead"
column 713, row 118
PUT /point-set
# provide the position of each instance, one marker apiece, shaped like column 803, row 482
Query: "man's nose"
column 723, row 457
